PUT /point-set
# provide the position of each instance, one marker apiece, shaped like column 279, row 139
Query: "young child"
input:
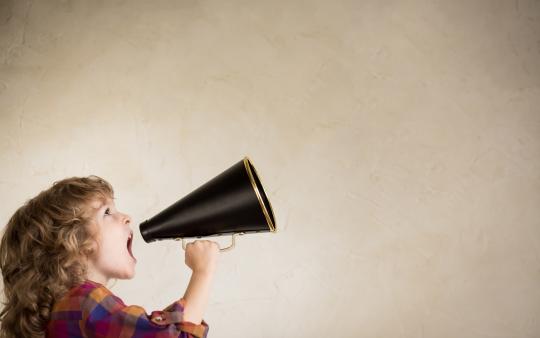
column 61, row 248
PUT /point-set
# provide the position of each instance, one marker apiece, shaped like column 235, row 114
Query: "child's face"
column 113, row 258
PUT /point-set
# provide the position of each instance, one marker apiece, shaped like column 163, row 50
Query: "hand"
column 201, row 255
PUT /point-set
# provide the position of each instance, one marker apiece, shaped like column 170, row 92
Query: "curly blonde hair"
column 43, row 252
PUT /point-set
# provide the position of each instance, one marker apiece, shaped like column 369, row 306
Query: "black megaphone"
column 232, row 203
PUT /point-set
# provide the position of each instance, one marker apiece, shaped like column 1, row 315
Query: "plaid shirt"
column 91, row 310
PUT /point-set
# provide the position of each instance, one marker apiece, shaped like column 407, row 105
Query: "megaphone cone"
column 234, row 202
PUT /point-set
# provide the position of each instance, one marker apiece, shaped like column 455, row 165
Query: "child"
column 58, row 252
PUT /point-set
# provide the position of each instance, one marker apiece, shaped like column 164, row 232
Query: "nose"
column 127, row 219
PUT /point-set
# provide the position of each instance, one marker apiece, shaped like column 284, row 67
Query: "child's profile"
column 61, row 248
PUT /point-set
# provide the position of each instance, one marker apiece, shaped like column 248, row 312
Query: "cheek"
column 110, row 245
column 109, row 255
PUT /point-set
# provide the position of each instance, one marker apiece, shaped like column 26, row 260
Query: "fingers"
column 202, row 255
column 203, row 244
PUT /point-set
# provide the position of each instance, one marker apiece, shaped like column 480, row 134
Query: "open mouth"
column 129, row 244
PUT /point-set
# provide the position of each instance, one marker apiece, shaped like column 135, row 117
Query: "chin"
column 130, row 275
column 127, row 275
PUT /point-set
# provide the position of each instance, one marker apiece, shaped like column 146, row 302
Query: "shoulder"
column 85, row 305
column 86, row 297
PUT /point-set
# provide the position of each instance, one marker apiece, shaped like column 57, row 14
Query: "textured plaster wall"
column 399, row 142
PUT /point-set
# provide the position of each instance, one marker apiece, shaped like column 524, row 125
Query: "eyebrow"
column 103, row 203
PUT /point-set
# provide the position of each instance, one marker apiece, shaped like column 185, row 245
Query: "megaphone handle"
column 220, row 249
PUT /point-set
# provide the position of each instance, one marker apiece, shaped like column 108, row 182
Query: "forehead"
column 98, row 203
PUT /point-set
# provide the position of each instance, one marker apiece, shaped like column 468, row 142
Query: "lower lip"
column 134, row 259
column 131, row 255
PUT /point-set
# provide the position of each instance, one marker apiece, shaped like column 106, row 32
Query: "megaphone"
column 232, row 203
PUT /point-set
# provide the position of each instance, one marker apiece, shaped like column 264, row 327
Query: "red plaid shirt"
column 91, row 310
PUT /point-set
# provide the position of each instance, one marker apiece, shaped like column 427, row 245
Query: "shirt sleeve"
column 105, row 315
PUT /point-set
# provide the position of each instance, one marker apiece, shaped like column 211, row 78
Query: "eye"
column 107, row 211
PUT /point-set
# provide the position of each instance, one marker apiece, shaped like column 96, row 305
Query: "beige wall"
column 399, row 143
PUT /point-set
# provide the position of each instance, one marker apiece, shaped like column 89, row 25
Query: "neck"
column 95, row 276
